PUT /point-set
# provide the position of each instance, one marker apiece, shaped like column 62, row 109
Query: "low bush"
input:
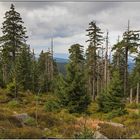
column 13, row 104
column 21, row 133
column 30, row 121
column 133, row 105
column 66, row 116
column 112, row 132
column 86, row 133
column 52, row 104
column 134, row 115
column 135, row 136
column 116, row 113
column 11, row 89
column 92, row 108
column 47, row 119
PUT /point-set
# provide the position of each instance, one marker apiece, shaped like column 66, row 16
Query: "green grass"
column 60, row 123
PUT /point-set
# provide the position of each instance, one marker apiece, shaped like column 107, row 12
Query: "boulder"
column 98, row 135
column 22, row 116
column 115, row 124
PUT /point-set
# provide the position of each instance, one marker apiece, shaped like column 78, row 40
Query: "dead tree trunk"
column 126, row 64
column 131, row 96
column 106, row 62
column 137, row 95
column 98, row 76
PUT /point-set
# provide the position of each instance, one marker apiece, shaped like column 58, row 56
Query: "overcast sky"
column 67, row 21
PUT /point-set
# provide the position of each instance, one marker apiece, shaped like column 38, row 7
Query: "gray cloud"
column 67, row 21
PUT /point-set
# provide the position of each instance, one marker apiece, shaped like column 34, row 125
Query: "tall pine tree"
column 95, row 41
column 14, row 37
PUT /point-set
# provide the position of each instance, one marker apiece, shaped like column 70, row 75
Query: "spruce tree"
column 118, row 61
column 34, row 73
column 14, row 37
column 45, row 71
column 131, row 43
column 112, row 98
column 95, row 41
column 23, row 69
column 77, row 98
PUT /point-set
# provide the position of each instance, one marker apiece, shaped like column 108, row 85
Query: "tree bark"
column 131, row 96
column 137, row 95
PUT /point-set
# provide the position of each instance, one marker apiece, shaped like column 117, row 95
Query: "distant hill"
column 61, row 63
column 61, row 60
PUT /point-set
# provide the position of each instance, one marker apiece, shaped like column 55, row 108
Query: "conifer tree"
column 14, row 37
column 112, row 98
column 95, row 41
column 118, row 61
column 135, row 76
column 23, row 68
column 75, row 91
column 131, row 43
column 45, row 71
column 34, row 73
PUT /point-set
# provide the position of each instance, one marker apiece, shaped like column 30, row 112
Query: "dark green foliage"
column 23, row 69
column 52, row 104
column 71, row 90
column 112, row 98
column 35, row 74
column 116, row 113
column 14, row 37
column 46, row 73
column 95, row 41
column 118, row 61
column 77, row 96
column 60, row 89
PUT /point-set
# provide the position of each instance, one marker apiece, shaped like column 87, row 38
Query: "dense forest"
column 96, row 96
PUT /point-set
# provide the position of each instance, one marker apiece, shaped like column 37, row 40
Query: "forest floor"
column 26, row 117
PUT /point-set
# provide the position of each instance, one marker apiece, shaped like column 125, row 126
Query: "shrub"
column 47, row 119
column 21, row 133
column 30, row 121
column 86, row 133
column 133, row 105
column 134, row 115
column 135, row 136
column 52, row 104
column 112, row 132
column 11, row 89
column 116, row 113
column 13, row 103
column 92, row 108
column 66, row 116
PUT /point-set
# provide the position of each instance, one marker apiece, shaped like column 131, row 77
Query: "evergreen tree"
column 134, row 75
column 118, row 61
column 60, row 89
column 14, row 37
column 24, row 69
column 95, row 39
column 112, row 98
column 75, row 93
column 131, row 44
column 35, row 74
column 45, row 71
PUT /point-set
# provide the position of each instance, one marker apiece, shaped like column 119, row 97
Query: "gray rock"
column 22, row 116
column 98, row 135
column 115, row 124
